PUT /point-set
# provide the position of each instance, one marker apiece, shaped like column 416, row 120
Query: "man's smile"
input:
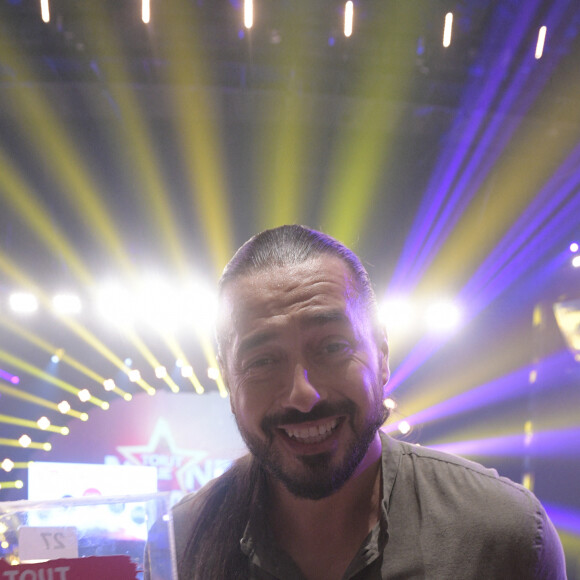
column 311, row 433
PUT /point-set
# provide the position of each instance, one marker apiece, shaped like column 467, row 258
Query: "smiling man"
column 323, row 494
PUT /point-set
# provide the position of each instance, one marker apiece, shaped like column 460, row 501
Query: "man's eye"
column 336, row 347
column 260, row 362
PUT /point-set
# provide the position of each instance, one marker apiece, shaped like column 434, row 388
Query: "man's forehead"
column 315, row 278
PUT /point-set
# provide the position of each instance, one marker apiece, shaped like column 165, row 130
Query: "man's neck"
column 330, row 530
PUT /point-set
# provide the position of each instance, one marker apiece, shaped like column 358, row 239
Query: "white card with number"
column 47, row 543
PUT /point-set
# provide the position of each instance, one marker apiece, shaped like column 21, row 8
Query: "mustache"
column 320, row 411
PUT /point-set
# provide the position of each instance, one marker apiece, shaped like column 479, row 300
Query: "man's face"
column 305, row 373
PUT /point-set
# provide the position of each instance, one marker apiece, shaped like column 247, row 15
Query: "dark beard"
column 321, row 478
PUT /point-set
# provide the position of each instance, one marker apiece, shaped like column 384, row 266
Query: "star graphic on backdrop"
column 162, row 444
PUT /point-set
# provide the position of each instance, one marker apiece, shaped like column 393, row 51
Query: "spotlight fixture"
column 404, row 427
column 109, row 385
column 160, row 372
column 248, row 14
column 45, row 11
column 64, row 407
column 187, row 371
column 447, row 29
column 442, row 317
column 84, row 395
column 541, row 42
column 134, row 375
column 25, row 441
column 390, row 404
column 348, row 18
column 43, row 423
column 23, row 302
column 213, row 373
column 7, row 465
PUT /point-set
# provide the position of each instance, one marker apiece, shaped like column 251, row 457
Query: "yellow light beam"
column 18, row 465
column 51, row 349
column 10, row 420
column 39, row 373
column 199, row 131
column 365, row 147
column 16, row 193
column 33, row 445
column 19, row 394
column 133, row 140
column 150, row 357
column 18, row 484
column 180, row 355
column 59, row 153
column 287, row 144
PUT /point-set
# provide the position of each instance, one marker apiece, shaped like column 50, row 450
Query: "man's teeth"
column 312, row 434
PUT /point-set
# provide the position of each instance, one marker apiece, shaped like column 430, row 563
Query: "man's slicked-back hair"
column 294, row 244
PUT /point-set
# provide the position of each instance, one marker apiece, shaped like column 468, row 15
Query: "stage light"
column 442, row 317
column 7, row 465
column 84, row 417
column 567, row 314
column 43, row 423
column 128, row 396
column 66, row 304
column 115, row 303
column 57, row 356
column 576, row 261
column 390, row 404
column 248, row 14
column 146, row 11
column 187, row 371
column 134, row 375
column 23, row 302
column 64, row 431
column 447, row 29
column 397, row 315
column 213, row 373
column 128, row 362
column 528, row 481
column 540, row 43
column 200, row 303
column 574, row 247
column 160, row 372
column 404, row 427
column 109, row 385
column 64, row 407
column 348, row 18
column 25, row 441
column 45, row 11
column 84, row 395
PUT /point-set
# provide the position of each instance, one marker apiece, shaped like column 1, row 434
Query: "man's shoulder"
column 450, row 473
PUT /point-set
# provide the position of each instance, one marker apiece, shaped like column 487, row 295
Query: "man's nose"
column 302, row 396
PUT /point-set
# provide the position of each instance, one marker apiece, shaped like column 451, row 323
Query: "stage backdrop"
column 189, row 438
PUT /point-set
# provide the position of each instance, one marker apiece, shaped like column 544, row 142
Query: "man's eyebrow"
column 324, row 317
column 255, row 341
